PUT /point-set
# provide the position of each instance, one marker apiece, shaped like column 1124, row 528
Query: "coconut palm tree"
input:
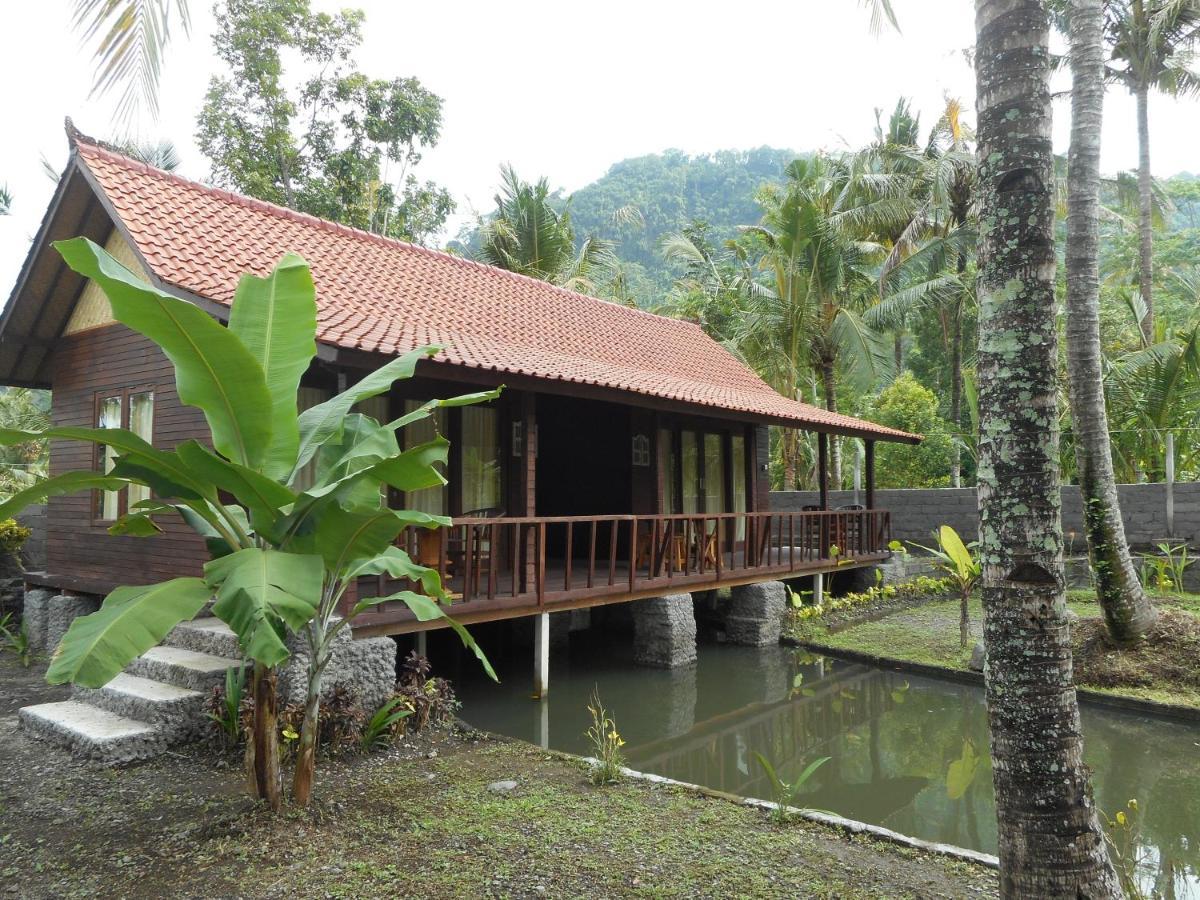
column 5, row 200
column 529, row 235
column 1050, row 842
column 129, row 37
column 818, row 277
column 1128, row 612
column 1150, row 43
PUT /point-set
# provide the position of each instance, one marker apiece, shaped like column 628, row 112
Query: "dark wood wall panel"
column 80, row 551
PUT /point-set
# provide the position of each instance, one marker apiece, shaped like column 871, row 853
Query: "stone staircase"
column 156, row 702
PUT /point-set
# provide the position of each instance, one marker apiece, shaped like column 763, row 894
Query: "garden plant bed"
column 1160, row 675
column 418, row 820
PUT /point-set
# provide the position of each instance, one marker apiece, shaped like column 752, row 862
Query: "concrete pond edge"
column 1174, row 711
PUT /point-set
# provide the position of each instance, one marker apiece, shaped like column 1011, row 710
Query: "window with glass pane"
column 666, row 459
column 480, row 459
column 737, row 461
column 307, row 398
column 431, row 500
column 689, row 459
column 714, row 473
column 108, row 502
column 141, row 423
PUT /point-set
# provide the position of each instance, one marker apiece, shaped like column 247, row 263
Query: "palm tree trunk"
column 956, row 383
column 1128, row 613
column 1050, row 840
column 898, row 350
column 835, row 448
column 1145, row 213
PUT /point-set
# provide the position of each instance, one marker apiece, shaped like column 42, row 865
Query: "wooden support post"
column 541, row 655
column 823, row 468
column 423, row 644
column 528, row 483
column 870, row 474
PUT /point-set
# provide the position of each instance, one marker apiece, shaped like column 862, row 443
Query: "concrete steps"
column 178, row 711
column 157, row 701
column 92, row 732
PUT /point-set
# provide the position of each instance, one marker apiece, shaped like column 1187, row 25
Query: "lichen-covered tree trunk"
column 956, row 384
column 1145, row 213
column 1128, row 613
column 1050, row 841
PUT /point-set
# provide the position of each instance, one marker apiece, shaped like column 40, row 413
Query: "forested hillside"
column 668, row 190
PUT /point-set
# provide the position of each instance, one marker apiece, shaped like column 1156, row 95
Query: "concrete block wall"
column 917, row 513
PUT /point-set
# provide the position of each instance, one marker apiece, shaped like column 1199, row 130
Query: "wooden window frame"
column 96, row 506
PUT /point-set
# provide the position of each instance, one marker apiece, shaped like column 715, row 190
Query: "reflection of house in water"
column 813, row 722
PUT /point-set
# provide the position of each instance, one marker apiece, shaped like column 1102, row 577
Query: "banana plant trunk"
column 262, row 751
column 964, row 621
column 1128, row 613
column 306, row 759
column 1145, row 212
column 1050, row 841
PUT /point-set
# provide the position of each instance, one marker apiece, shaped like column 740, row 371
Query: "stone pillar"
column 756, row 613
column 62, row 611
column 35, row 616
column 664, row 631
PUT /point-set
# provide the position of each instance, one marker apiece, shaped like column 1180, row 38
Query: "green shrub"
column 13, row 535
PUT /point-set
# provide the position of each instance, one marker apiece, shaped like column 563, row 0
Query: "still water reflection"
column 906, row 752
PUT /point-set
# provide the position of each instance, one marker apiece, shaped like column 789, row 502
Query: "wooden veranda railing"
column 500, row 567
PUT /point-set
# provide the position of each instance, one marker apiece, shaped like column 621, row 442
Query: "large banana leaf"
column 166, row 474
column 258, row 493
column 325, row 420
column 259, row 591
column 67, row 483
column 130, row 622
column 426, row 610
column 276, row 318
column 395, row 562
column 213, row 369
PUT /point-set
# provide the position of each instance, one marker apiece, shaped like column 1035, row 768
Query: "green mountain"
column 669, row 190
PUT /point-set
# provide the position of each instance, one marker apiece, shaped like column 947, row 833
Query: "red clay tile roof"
column 386, row 296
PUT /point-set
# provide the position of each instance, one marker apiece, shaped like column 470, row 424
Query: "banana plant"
column 283, row 555
column 961, row 565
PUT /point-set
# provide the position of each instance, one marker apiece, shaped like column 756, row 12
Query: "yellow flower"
column 1121, row 820
column 620, row 743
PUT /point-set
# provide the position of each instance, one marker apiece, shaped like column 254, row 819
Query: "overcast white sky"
column 565, row 89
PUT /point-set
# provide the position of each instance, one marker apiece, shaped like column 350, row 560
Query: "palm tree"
column 1128, row 613
column 881, row 11
column 130, row 36
column 1050, row 842
column 807, row 315
column 529, row 235
column 5, row 200
column 1150, row 43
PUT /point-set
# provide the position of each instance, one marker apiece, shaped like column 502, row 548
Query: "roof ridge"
column 115, row 155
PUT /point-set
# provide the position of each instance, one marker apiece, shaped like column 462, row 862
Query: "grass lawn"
column 416, row 821
column 1164, row 669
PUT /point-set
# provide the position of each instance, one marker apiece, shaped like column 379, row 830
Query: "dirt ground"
column 417, row 821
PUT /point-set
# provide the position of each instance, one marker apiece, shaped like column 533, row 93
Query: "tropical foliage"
column 291, row 505
column 328, row 140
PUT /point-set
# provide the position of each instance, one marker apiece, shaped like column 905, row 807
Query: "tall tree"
column 1050, row 840
column 807, row 314
column 1128, row 612
column 5, row 200
column 331, row 141
column 1150, row 44
column 130, row 36
column 528, row 233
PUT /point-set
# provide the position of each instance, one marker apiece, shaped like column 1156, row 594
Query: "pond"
column 906, row 752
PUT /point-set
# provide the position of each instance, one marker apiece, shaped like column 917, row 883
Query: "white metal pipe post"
column 541, row 655
column 819, row 589
column 1170, row 484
